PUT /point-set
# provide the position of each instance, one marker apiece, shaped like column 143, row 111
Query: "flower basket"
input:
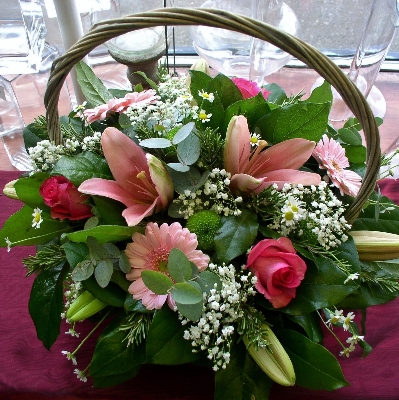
column 194, row 220
column 106, row 30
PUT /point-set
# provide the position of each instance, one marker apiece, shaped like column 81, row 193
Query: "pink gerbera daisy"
column 151, row 251
column 331, row 156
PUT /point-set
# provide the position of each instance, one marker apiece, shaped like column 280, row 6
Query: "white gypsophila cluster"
column 175, row 106
column 214, row 331
column 311, row 212
column 71, row 293
column 92, row 143
column 46, row 154
column 214, row 195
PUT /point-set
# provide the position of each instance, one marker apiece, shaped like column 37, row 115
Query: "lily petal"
column 282, row 176
column 136, row 212
column 244, row 183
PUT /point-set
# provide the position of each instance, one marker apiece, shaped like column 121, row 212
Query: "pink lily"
column 142, row 182
column 253, row 171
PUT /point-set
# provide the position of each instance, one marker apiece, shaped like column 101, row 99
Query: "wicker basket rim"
column 105, row 30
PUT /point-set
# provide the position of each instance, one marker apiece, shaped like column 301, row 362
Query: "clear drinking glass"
column 377, row 36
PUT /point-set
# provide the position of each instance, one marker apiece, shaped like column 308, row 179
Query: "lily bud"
column 376, row 245
column 10, row 191
column 201, row 65
column 84, row 306
column 273, row 359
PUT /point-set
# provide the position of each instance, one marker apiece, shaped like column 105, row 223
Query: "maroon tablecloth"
column 29, row 371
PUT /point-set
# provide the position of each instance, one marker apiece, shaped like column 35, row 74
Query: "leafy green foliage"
column 242, row 379
column 93, row 89
column 46, row 303
column 236, row 235
column 315, row 367
column 81, row 167
column 28, row 190
column 104, row 233
column 165, row 342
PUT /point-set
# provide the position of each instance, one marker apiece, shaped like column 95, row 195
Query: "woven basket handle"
column 103, row 31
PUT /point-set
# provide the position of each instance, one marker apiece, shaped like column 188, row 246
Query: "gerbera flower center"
column 157, row 259
column 336, row 165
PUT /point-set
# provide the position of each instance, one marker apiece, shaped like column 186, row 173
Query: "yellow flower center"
column 254, row 140
column 202, row 115
column 37, row 217
column 289, row 216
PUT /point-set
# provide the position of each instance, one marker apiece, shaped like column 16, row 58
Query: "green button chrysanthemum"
column 205, row 225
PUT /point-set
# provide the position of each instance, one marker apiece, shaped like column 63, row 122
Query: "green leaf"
column 124, row 264
column 156, row 143
column 183, row 133
column 253, row 110
column 189, row 150
column 321, row 94
column 92, row 87
column 178, row 167
column 301, row 120
column 83, row 271
column 311, row 325
column 242, row 379
column 165, row 342
column 46, row 303
column 105, row 233
column 190, row 180
column 113, row 380
column 179, row 266
column 75, row 252
column 187, row 293
column 192, row 312
column 33, row 135
column 226, row 89
column 112, row 294
column 277, row 94
column 199, row 81
column 208, row 280
column 132, row 305
column 235, row 236
column 110, row 210
column 355, row 154
column 81, row 167
column 96, row 250
column 315, row 367
column 350, row 136
column 18, row 229
column 112, row 357
column 148, row 80
column 156, row 281
column 28, row 190
column 103, row 272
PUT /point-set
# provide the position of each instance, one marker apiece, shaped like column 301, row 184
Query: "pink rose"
column 278, row 268
column 64, row 199
column 249, row 89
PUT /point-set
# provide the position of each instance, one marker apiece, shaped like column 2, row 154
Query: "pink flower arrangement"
column 278, row 268
column 151, row 251
column 119, row 105
column 249, row 88
column 331, row 156
column 142, row 182
column 253, row 171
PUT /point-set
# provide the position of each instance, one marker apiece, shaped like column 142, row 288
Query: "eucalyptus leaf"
column 208, row 280
column 46, row 303
column 178, row 167
column 190, row 180
column 124, row 264
column 156, row 143
column 75, row 252
column 156, row 281
column 165, row 342
column 103, row 272
column 192, row 312
column 183, row 133
column 179, row 266
column 188, row 151
column 81, row 167
column 83, row 270
column 315, row 367
column 187, row 293
column 112, row 250
column 235, row 236
column 92, row 87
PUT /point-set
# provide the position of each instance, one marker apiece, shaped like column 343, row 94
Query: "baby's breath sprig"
column 46, row 258
column 137, row 325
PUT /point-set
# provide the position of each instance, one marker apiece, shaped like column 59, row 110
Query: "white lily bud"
column 273, row 359
column 9, row 190
column 376, row 245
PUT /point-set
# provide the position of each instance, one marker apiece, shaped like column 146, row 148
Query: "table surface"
column 28, row 371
